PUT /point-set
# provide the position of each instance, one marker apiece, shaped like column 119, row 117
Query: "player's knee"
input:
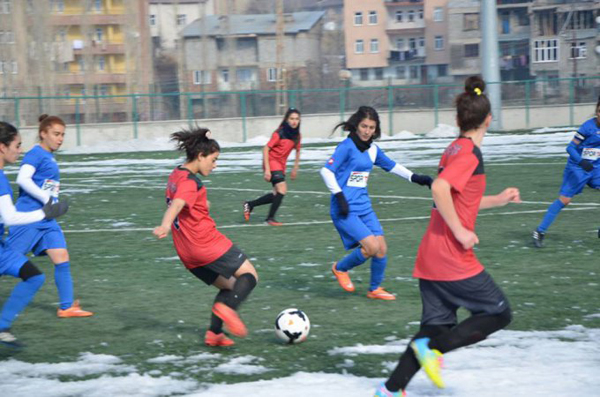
column 281, row 188
column 29, row 271
column 371, row 249
column 565, row 200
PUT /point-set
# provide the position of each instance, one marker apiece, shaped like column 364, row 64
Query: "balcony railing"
column 406, row 55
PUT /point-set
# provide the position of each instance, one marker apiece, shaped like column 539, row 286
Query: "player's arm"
column 25, row 182
column 266, row 165
column 296, row 164
column 508, row 195
column 10, row 215
column 442, row 196
column 171, row 213
column 572, row 149
column 391, row 166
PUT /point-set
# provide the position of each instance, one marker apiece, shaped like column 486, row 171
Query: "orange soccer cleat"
column 232, row 321
column 382, row 294
column 273, row 222
column 74, row 311
column 212, row 339
column 247, row 211
column 343, row 278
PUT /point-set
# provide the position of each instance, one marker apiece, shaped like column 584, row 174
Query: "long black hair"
column 8, row 132
column 195, row 142
column 363, row 112
column 285, row 130
column 472, row 106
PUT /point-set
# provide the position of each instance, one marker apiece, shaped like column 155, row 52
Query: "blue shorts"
column 575, row 179
column 355, row 227
column 10, row 261
column 36, row 237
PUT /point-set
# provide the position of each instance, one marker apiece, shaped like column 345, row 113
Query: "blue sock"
column 64, row 284
column 20, row 296
column 378, row 266
column 351, row 260
column 551, row 214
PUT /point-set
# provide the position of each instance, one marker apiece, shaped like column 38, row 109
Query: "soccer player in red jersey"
column 450, row 276
column 204, row 251
column 275, row 154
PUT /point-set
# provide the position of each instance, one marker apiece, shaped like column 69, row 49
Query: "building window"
column 225, row 75
column 272, row 74
column 412, row 43
column 60, row 5
column 364, row 74
column 471, row 21
column 411, row 16
column 523, row 18
column 545, row 50
column 9, row 37
column 374, row 45
column 420, row 14
column 471, row 50
column 358, row 18
column 442, row 70
column 372, row 17
column 414, row 72
column 581, row 20
column 359, row 47
column 578, row 50
column 99, row 34
column 201, row 77
column 152, row 20
column 438, row 14
column 421, row 42
column 400, row 44
column 181, row 19
column 2, row 68
column 103, row 90
column 398, row 16
column 15, row 68
column 505, row 22
column 6, row 6
column 98, row 5
column 81, row 63
column 244, row 75
column 101, row 63
column 401, row 72
column 61, row 35
column 378, row 73
column 438, row 43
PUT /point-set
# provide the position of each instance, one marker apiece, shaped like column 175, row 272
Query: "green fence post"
column 97, row 102
column 244, row 111
column 436, row 105
column 203, row 105
column 17, row 112
column 77, row 122
column 571, row 102
column 292, row 98
column 190, row 115
column 527, row 100
column 135, row 117
column 390, row 97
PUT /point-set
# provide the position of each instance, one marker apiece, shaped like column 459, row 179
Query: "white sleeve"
column 329, row 178
column 402, row 171
column 25, row 181
column 10, row 215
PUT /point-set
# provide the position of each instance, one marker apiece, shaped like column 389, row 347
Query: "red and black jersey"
column 195, row 235
column 280, row 150
column 441, row 257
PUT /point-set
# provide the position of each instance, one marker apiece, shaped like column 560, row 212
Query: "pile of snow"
column 443, row 131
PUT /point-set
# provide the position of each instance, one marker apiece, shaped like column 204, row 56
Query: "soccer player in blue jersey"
column 583, row 168
column 346, row 174
column 13, row 263
column 39, row 182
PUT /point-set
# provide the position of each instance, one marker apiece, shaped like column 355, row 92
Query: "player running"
column 39, row 183
column 450, row 276
column 583, row 168
column 275, row 155
column 13, row 263
column 204, row 251
column 346, row 174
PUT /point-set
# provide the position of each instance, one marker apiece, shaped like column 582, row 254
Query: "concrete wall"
column 313, row 126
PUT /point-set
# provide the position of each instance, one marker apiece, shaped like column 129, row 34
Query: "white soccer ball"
column 292, row 326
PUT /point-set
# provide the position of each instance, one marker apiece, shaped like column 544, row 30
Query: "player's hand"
column 423, row 180
column 344, row 209
column 586, row 165
column 54, row 210
column 511, row 195
column 466, row 238
column 160, row 232
column 267, row 176
column 294, row 174
column 208, row 205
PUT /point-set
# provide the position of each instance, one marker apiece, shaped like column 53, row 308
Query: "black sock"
column 241, row 289
column 266, row 199
column 216, row 324
column 275, row 206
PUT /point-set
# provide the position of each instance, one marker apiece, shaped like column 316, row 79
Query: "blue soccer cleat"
column 430, row 360
column 382, row 391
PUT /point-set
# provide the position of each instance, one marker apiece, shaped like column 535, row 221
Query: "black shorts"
column 478, row 294
column 225, row 266
column 277, row 177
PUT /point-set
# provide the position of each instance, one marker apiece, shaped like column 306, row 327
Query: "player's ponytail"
column 472, row 106
column 195, row 142
column 363, row 112
column 47, row 122
column 8, row 132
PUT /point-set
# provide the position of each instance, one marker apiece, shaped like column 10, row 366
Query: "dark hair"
column 472, row 106
column 288, row 113
column 598, row 104
column 195, row 142
column 48, row 121
column 363, row 112
column 8, row 132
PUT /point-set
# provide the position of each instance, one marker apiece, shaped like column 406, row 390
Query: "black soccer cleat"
column 538, row 238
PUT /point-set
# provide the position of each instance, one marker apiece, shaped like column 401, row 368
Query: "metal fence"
column 191, row 106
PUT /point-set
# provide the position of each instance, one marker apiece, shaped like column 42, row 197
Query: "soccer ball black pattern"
column 292, row 326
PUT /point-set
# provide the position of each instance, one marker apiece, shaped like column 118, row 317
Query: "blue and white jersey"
column 5, row 189
column 46, row 177
column 589, row 148
column 352, row 168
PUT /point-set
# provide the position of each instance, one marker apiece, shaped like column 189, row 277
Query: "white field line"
column 409, row 218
